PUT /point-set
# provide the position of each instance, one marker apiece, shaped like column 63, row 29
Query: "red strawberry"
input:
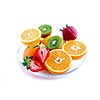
column 42, row 53
column 69, row 33
column 36, row 66
column 33, row 64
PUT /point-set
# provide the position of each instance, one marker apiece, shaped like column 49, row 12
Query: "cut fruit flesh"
column 45, row 29
column 31, row 35
column 58, row 62
column 75, row 48
column 54, row 42
column 45, row 40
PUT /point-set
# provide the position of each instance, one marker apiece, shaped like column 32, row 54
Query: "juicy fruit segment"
column 45, row 30
column 58, row 61
column 69, row 33
column 75, row 48
column 29, row 51
column 31, row 36
column 54, row 42
column 45, row 40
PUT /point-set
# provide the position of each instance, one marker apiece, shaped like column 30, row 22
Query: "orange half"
column 58, row 62
column 75, row 48
column 30, row 50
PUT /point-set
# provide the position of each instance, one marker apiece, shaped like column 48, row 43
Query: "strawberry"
column 36, row 66
column 33, row 64
column 69, row 33
column 42, row 53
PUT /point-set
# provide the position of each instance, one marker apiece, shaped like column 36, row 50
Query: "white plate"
column 44, row 74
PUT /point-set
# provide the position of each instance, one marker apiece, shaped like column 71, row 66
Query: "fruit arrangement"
column 51, row 53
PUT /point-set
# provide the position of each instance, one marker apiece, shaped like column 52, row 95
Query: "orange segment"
column 45, row 40
column 30, row 50
column 58, row 61
column 75, row 48
column 31, row 35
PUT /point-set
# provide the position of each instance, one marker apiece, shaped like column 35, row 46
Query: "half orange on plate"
column 75, row 48
column 58, row 62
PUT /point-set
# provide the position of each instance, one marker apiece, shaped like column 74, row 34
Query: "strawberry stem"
column 66, row 25
column 26, row 62
column 61, row 30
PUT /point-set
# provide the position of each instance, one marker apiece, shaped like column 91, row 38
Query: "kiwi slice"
column 54, row 42
column 45, row 30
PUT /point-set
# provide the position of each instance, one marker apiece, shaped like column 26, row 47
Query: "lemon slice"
column 31, row 36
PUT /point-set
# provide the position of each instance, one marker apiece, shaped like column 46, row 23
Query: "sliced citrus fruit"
column 31, row 36
column 30, row 50
column 75, row 48
column 45, row 40
column 58, row 62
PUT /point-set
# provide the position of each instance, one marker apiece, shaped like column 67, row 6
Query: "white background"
column 18, row 15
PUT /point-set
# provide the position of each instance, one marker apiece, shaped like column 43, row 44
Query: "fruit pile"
column 52, row 53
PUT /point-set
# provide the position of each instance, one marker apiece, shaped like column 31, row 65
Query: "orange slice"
column 58, row 62
column 75, row 48
column 31, row 36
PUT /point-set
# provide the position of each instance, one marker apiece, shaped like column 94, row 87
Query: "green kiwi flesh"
column 54, row 42
column 45, row 29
